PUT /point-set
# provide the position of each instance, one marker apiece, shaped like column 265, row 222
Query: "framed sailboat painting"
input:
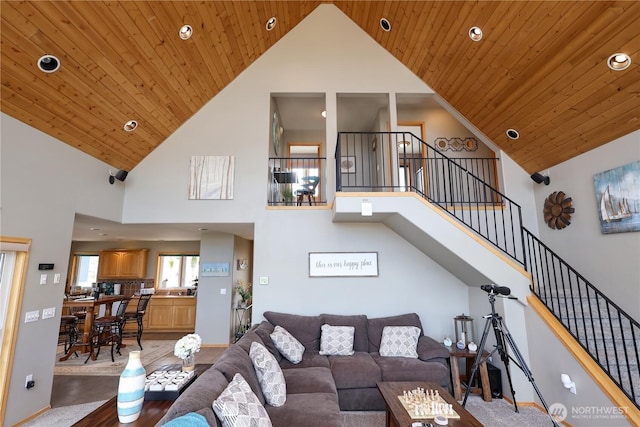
column 618, row 197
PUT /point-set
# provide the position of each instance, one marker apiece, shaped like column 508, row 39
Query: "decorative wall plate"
column 557, row 210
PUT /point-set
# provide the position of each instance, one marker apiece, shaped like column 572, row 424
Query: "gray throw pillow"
column 400, row 341
column 336, row 340
column 287, row 345
column 238, row 406
column 269, row 375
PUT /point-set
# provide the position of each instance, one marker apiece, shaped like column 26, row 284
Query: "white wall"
column 43, row 184
column 611, row 262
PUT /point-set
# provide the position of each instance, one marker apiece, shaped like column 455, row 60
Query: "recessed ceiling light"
column 475, row 34
column 513, row 134
column 48, row 63
column 103, row 234
column 324, row 113
column 130, row 126
column 271, row 23
column 619, row 61
column 202, row 229
column 185, row 32
column 94, row 229
column 385, row 24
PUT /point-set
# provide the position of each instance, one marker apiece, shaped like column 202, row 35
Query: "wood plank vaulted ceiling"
column 540, row 67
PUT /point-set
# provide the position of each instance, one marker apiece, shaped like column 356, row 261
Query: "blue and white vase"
column 131, row 389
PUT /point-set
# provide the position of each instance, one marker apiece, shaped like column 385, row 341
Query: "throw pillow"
column 336, row 340
column 238, row 406
column 269, row 375
column 400, row 341
column 287, row 345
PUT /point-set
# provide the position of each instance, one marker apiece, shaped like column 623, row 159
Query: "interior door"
column 412, row 158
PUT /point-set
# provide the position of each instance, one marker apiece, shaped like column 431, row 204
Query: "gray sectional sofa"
column 320, row 386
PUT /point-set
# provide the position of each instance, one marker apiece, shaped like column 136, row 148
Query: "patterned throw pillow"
column 336, row 340
column 400, row 341
column 287, row 345
column 238, row 406
column 269, row 375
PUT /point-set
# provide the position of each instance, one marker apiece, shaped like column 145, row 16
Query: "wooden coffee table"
column 152, row 410
column 397, row 415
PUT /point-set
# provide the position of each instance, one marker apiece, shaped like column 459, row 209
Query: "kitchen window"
column 84, row 271
column 177, row 271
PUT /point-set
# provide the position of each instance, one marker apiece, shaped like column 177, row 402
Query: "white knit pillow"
column 287, row 345
column 400, row 341
column 238, row 406
column 269, row 375
column 336, row 340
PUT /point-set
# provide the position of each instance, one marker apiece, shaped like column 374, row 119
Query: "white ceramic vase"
column 131, row 389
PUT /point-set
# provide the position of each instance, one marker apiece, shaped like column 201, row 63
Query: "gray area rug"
column 498, row 413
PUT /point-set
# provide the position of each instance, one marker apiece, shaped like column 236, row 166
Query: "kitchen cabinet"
column 172, row 313
column 123, row 264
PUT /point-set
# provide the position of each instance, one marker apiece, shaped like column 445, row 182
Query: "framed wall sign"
column 213, row 269
column 343, row 264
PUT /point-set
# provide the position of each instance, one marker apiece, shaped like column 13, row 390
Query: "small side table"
column 469, row 358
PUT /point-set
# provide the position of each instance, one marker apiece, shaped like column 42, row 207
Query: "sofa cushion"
column 429, row 349
column 405, row 369
column 309, row 380
column 198, row 397
column 238, row 406
column 399, row 341
column 290, row 348
column 307, row 410
column 235, row 360
column 269, row 375
column 305, row 329
column 376, row 326
column 309, row 359
column 360, row 338
column 356, row 371
column 336, row 340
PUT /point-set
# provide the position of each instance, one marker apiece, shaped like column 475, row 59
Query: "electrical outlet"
column 48, row 313
column 31, row 316
column 29, row 379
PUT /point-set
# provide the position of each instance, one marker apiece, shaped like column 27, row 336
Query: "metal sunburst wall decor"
column 557, row 210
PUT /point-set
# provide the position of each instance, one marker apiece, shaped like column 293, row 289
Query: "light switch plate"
column 264, row 280
column 43, row 279
column 223, row 291
column 31, row 316
column 56, row 278
column 48, row 313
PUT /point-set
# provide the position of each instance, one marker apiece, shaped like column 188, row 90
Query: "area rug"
column 64, row 416
column 153, row 351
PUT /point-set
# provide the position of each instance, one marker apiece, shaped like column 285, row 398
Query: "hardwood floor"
column 76, row 389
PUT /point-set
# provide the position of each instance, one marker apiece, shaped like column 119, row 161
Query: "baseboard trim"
column 33, row 416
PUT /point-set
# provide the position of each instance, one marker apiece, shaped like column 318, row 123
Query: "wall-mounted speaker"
column 121, row 175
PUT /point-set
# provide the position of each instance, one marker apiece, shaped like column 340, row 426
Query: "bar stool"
column 107, row 329
column 68, row 332
column 138, row 315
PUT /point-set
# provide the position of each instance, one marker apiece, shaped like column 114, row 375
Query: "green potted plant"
column 287, row 194
column 244, row 292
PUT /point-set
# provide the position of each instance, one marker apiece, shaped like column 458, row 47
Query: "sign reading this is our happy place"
column 341, row 264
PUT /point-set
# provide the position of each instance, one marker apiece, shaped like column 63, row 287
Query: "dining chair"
column 108, row 329
column 138, row 315
column 308, row 188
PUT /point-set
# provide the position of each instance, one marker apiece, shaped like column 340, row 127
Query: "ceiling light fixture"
column 271, row 23
column 185, row 32
column 385, row 24
column 619, row 61
column 130, row 126
column 475, row 34
column 513, row 134
column 324, row 113
column 48, row 64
